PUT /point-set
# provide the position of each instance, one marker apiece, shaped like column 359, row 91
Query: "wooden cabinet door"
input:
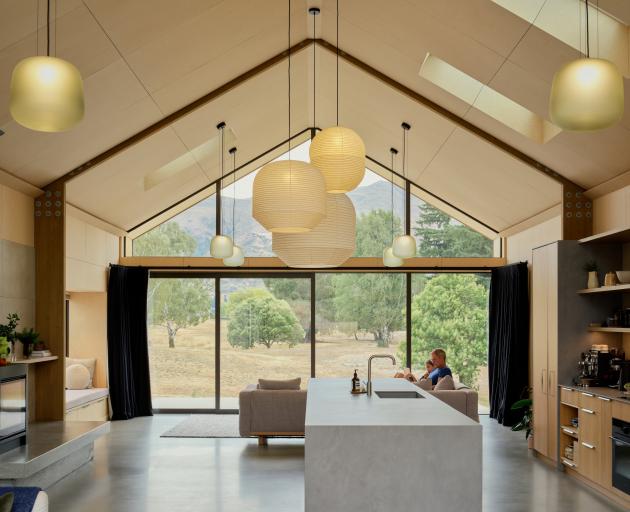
column 540, row 264
column 590, row 443
column 605, row 475
column 552, row 351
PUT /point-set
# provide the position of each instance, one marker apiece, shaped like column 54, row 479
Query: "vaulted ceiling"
column 144, row 59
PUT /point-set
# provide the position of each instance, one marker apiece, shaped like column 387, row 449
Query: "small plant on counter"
column 28, row 337
column 4, row 350
column 8, row 330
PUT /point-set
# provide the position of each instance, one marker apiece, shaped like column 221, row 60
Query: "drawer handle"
column 568, row 431
column 567, row 389
column 587, row 445
column 604, row 399
column 567, row 463
column 588, row 394
column 587, row 411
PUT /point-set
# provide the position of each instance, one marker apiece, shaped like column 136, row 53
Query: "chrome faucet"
column 369, row 381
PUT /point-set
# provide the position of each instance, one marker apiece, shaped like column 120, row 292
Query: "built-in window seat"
column 87, row 404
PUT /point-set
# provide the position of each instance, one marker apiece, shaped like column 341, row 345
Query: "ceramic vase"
column 593, row 280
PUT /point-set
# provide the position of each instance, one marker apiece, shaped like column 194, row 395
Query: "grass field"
column 188, row 370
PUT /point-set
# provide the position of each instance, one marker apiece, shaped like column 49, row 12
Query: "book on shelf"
column 41, row 353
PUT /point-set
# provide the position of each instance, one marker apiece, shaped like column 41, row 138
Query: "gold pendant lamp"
column 221, row 246
column 404, row 246
column 289, row 196
column 237, row 258
column 46, row 93
column 586, row 94
column 389, row 259
column 338, row 152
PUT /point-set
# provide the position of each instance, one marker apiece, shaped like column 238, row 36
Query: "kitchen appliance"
column 623, row 369
column 621, row 455
column 595, row 368
column 12, row 407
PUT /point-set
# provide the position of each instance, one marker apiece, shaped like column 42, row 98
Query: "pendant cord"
column 48, row 28
column 588, row 43
column 393, row 152
column 233, row 151
column 337, row 62
column 289, row 73
column 314, row 67
column 37, row 26
column 222, row 167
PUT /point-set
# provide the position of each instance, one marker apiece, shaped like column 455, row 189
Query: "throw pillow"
column 279, row 384
column 445, row 384
column 425, row 384
column 77, row 377
column 6, row 502
column 89, row 363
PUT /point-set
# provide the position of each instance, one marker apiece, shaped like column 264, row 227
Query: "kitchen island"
column 372, row 453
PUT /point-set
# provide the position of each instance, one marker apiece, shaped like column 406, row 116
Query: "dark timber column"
column 577, row 213
column 50, row 284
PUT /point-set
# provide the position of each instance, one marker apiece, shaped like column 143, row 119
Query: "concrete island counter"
column 372, row 453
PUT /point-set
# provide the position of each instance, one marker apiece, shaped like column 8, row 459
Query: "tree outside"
column 451, row 313
column 260, row 318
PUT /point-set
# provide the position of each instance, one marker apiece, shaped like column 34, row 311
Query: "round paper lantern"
column 404, row 246
column 289, row 197
column 221, row 246
column 389, row 260
column 586, row 94
column 237, row 258
column 46, row 94
column 340, row 154
column 329, row 244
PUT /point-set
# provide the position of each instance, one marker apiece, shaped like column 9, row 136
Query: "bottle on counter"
column 356, row 383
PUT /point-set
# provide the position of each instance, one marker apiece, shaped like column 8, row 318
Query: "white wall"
column 520, row 245
column 89, row 251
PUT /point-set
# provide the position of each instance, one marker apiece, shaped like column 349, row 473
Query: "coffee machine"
column 595, row 367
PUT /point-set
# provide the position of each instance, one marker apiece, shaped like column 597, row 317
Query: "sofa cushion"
column 77, row 377
column 279, row 384
column 445, row 384
column 89, row 363
column 425, row 384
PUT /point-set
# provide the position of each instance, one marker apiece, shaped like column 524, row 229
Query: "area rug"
column 206, row 425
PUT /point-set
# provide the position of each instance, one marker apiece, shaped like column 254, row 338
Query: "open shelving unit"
column 618, row 288
column 620, row 235
column 609, row 329
column 33, row 360
column 569, row 434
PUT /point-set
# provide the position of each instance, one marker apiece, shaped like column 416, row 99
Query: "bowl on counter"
column 623, row 276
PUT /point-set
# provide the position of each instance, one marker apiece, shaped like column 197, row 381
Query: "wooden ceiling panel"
column 486, row 183
column 119, row 107
column 120, row 181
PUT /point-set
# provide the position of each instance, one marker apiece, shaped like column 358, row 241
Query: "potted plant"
column 590, row 267
column 28, row 337
column 8, row 330
column 4, row 350
column 526, row 422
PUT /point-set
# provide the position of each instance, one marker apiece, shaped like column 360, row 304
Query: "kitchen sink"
column 398, row 394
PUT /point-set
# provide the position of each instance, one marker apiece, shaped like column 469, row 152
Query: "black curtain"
column 127, row 342
column 508, row 351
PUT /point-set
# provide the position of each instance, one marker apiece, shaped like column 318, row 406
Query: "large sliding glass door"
column 265, row 332
column 181, row 326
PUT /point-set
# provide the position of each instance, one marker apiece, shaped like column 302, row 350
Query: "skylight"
column 487, row 100
column 566, row 21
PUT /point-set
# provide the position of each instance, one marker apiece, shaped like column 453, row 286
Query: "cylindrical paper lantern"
column 340, row 154
column 289, row 197
column 329, row 244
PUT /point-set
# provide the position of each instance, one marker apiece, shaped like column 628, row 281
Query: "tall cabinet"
column 559, row 322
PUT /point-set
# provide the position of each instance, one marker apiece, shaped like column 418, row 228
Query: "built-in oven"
column 621, row 455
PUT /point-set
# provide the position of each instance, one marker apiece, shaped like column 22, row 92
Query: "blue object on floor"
column 24, row 497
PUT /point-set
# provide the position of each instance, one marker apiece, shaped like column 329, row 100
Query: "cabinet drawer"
column 589, row 460
column 621, row 410
column 589, row 426
column 589, row 402
column 569, row 396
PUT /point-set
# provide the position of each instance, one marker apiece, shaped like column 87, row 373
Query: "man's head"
column 438, row 356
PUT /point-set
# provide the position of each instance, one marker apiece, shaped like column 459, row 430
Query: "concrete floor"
column 135, row 470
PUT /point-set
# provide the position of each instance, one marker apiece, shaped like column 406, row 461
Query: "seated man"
column 438, row 357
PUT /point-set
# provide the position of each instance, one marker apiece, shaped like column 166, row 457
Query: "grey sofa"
column 266, row 413
column 464, row 399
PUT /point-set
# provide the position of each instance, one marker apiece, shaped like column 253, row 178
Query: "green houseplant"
column 7, row 331
column 28, row 338
column 526, row 422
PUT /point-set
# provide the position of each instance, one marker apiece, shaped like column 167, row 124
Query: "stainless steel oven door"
column 621, row 464
column 12, row 407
